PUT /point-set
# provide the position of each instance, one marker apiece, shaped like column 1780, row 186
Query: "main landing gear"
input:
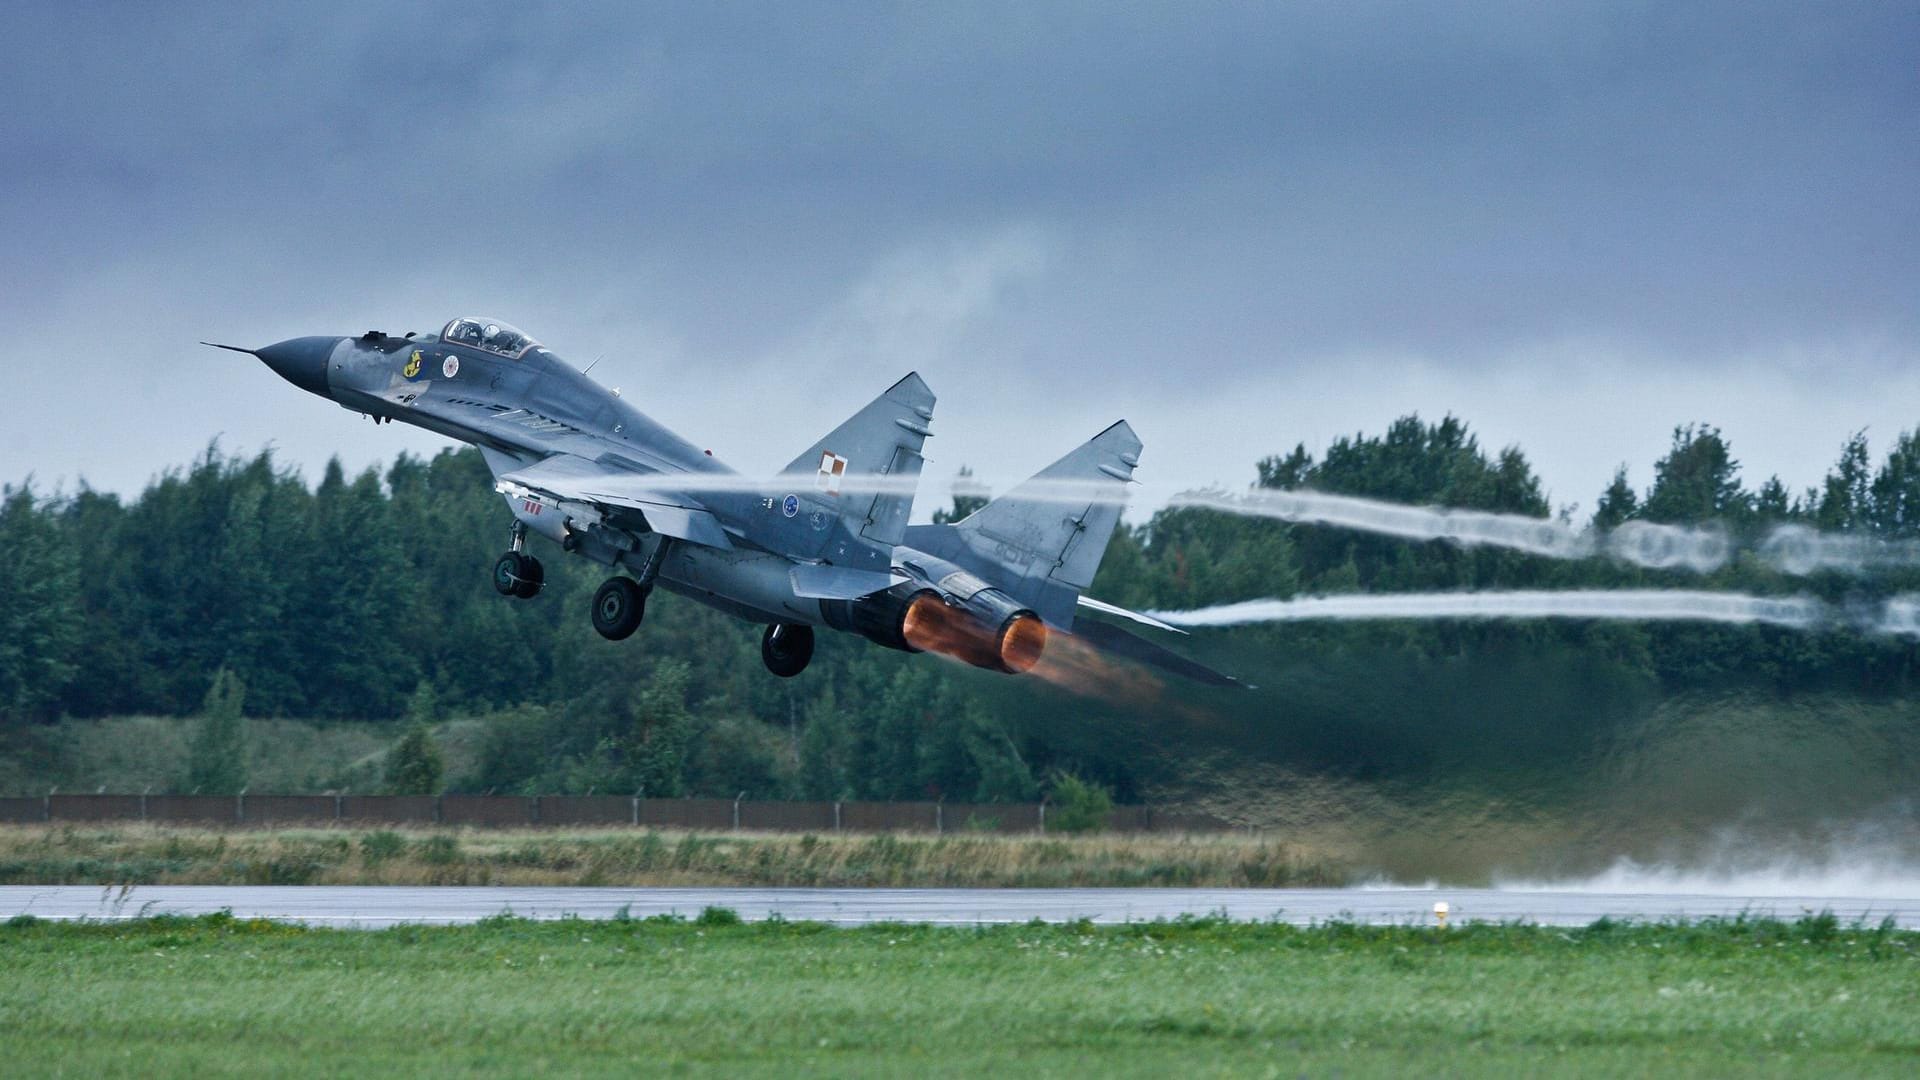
column 618, row 607
column 786, row 648
column 517, row 573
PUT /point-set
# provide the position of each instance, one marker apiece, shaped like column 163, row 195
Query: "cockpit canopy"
column 489, row 334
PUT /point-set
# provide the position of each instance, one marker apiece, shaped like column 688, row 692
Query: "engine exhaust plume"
column 1077, row 667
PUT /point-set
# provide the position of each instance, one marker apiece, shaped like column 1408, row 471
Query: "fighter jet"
column 825, row 543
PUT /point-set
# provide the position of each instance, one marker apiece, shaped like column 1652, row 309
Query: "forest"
column 367, row 598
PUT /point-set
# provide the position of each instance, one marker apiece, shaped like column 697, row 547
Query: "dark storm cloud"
column 1267, row 220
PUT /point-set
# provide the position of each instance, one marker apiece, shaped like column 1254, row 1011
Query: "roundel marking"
column 451, row 367
column 790, row 506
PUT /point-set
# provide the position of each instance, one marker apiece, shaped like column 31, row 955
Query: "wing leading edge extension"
column 567, row 478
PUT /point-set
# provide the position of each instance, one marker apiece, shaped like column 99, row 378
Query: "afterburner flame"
column 928, row 625
column 1022, row 643
column 932, row 625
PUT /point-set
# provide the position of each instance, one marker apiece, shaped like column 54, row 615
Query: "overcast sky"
column 1239, row 226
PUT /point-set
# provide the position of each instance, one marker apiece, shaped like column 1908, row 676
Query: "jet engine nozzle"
column 987, row 629
column 1013, row 646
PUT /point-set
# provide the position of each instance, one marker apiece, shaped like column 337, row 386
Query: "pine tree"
column 1846, row 499
column 217, row 758
column 1896, row 489
column 1773, row 505
column 1617, row 503
column 39, row 615
column 1697, row 481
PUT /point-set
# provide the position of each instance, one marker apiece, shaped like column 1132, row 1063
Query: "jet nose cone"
column 301, row 361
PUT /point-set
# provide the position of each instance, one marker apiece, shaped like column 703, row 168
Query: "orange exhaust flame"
column 1026, row 646
column 1022, row 644
column 1073, row 665
column 930, row 625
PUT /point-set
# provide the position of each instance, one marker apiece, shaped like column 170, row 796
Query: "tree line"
column 367, row 598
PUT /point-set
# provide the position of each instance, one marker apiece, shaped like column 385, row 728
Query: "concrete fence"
column 502, row 811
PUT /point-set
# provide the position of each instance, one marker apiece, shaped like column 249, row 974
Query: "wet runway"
column 378, row 906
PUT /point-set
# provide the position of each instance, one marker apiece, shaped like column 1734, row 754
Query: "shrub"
column 1078, row 805
column 440, row 850
column 378, row 847
column 717, row 916
column 414, row 766
column 217, row 761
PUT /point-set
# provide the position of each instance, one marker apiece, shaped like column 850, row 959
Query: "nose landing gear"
column 786, row 649
column 517, row 573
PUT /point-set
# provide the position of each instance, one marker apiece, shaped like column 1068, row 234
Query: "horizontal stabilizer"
column 1122, row 643
column 823, row 582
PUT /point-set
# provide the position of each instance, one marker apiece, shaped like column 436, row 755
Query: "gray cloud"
column 1239, row 226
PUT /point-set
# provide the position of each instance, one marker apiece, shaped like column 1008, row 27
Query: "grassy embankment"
column 214, row 996
column 154, row 855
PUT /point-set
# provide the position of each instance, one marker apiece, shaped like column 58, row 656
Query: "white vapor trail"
column 1470, row 528
column 1661, row 547
column 1644, row 605
column 1791, row 549
column 1799, row 550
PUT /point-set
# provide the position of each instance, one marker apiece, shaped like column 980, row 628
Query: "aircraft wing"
column 571, row 478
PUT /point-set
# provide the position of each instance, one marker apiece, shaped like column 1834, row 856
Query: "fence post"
column 940, row 816
column 46, row 803
column 143, row 801
column 736, row 810
column 836, row 815
column 339, row 808
column 1043, row 817
column 535, row 808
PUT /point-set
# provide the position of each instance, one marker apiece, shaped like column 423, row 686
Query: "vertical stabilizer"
column 1053, row 529
column 865, row 471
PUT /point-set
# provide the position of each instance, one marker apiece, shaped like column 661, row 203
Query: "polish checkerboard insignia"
column 833, row 468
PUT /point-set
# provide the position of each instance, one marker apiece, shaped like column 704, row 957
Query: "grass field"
column 214, row 996
column 157, row 855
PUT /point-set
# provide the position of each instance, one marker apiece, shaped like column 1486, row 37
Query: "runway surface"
column 378, row 906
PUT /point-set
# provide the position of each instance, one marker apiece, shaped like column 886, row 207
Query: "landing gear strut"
column 618, row 607
column 517, row 573
column 786, row 648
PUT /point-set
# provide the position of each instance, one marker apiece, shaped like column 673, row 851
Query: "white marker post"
column 1440, row 912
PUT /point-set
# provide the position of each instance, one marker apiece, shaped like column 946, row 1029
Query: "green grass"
column 215, row 996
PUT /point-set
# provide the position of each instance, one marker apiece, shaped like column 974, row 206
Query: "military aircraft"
column 825, row 543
